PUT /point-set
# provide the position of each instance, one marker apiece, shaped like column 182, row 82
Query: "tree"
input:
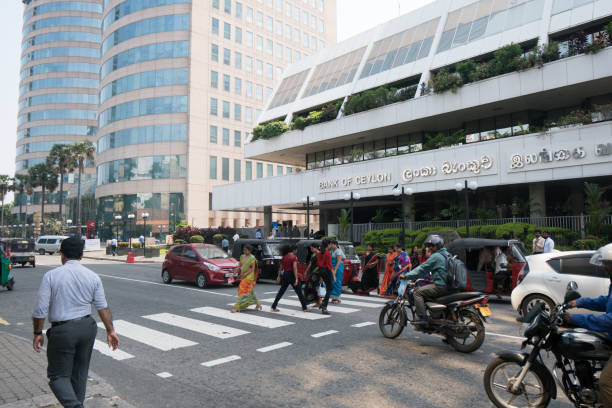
column 42, row 175
column 344, row 220
column 60, row 159
column 80, row 152
column 5, row 186
column 20, row 185
column 596, row 207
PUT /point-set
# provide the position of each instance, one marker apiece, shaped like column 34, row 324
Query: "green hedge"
column 375, row 98
column 196, row 239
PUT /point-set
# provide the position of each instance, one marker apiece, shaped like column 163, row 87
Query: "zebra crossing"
column 207, row 322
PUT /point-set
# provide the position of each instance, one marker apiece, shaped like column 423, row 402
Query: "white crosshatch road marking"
column 274, row 347
column 248, row 318
column 333, row 309
column 220, row 361
column 355, row 303
column 107, row 351
column 150, row 337
column 325, row 333
column 199, row 326
column 364, row 324
column 291, row 313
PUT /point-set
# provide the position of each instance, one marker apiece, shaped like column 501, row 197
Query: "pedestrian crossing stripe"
column 364, row 324
column 335, row 309
column 325, row 333
column 150, row 337
column 248, row 318
column 220, row 361
column 274, row 347
column 376, row 299
column 104, row 349
column 355, row 303
column 199, row 326
column 299, row 314
column 164, row 375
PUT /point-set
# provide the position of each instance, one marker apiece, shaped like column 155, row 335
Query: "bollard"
column 130, row 257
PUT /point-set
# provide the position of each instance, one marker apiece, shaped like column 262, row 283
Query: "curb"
column 119, row 260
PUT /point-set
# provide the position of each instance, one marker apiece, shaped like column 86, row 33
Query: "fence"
column 575, row 223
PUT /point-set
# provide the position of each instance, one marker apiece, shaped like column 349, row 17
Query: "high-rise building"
column 181, row 85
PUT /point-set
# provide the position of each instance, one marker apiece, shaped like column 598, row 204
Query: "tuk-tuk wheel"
column 10, row 284
column 41, row 251
column 33, row 264
column 23, row 264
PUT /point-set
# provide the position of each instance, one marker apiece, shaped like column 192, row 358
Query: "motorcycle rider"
column 601, row 322
column 436, row 265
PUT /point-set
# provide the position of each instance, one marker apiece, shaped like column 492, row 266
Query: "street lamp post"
column 118, row 219
column 402, row 193
column 130, row 227
column 144, row 218
column 466, row 187
column 352, row 197
column 69, row 223
column 308, row 200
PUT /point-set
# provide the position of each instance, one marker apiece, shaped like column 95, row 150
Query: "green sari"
column 246, row 289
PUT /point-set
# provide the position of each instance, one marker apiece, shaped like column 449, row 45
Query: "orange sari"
column 388, row 276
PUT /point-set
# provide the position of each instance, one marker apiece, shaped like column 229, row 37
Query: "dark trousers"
column 326, row 276
column 288, row 279
column 68, row 354
column 113, row 250
column 427, row 292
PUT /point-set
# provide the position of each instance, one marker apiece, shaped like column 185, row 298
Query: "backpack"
column 456, row 273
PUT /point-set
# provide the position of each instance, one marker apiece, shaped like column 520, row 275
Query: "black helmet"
column 434, row 240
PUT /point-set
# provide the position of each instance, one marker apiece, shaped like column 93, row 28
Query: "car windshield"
column 211, row 253
column 517, row 253
column 273, row 249
column 349, row 251
column 20, row 246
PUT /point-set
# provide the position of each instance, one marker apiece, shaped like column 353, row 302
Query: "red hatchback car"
column 199, row 263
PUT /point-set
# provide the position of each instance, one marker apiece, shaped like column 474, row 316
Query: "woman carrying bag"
column 288, row 275
column 324, row 262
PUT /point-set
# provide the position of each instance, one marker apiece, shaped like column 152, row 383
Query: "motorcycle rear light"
column 484, row 300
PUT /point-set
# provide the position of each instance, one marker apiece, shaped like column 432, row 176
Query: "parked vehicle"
column 549, row 275
column 458, row 317
column 352, row 264
column 49, row 244
column 20, row 251
column 6, row 278
column 472, row 250
column 268, row 255
column 524, row 380
column 199, row 263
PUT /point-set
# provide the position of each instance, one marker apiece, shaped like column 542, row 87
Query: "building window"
column 214, row 52
column 237, row 112
column 279, row 6
column 214, row 79
column 249, row 15
column 269, row 71
column 249, row 39
column 279, row 50
column 237, row 86
column 214, row 106
column 259, row 43
column 226, row 137
column 248, row 114
column 279, row 170
column 259, row 93
column 288, row 52
column 279, row 28
column 248, row 64
column 238, row 60
column 259, row 170
column 226, row 109
column 260, row 19
column 248, row 170
column 249, row 89
column 226, row 82
column 269, row 92
column 238, row 35
column 228, row 6
column 270, row 47
column 237, row 169
column 289, row 170
column 213, row 167
column 213, row 134
column 260, row 67
column 270, row 170
column 237, row 138
column 227, row 31
column 288, row 32
column 215, row 4
column 227, row 56
column 238, row 10
column 225, row 169
column 215, row 26
column 269, row 23
column 288, row 9
column 210, row 206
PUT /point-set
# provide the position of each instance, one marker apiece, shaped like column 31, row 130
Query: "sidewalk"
column 24, row 383
column 101, row 256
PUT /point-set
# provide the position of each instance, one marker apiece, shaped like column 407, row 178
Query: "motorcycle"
column 458, row 317
column 524, row 378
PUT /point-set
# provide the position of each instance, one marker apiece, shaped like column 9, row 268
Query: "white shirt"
column 500, row 260
column 549, row 245
column 236, row 237
column 114, row 242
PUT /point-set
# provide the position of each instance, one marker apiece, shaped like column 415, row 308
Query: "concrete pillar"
column 267, row 221
column 537, row 200
column 409, row 209
column 577, row 198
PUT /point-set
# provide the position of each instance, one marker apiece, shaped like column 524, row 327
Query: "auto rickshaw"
column 6, row 278
column 267, row 254
column 352, row 264
column 478, row 255
column 20, row 251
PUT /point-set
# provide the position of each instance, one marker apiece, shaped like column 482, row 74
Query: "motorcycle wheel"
column 392, row 321
column 476, row 334
column 532, row 392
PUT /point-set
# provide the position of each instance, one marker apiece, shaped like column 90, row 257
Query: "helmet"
column 434, row 240
column 603, row 254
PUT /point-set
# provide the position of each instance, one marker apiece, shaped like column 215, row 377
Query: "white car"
column 549, row 274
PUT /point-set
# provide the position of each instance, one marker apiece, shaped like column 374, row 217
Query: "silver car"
column 49, row 244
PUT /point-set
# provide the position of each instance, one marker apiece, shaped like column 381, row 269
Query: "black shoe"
column 324, row 311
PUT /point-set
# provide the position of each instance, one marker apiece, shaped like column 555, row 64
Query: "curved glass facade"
column 56, row 130
column 59, row 67
column 142, row 168
column 132, row 6
column 59, row 83
column 149, row 79
column 39, row 146
column 63, row 6
column 147, row 134
column 26, row 164
column 61, row 21
column 53, row 114
column 142, row 107
column 173, row 49
column 88, row 99
column 73, row 36
column 175, row 22
column 61, row 52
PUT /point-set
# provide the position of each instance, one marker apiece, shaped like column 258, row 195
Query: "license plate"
column 485, row 311
column 230, row 280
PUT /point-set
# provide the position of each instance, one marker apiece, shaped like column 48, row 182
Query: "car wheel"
column 33, row 265
column 201, row 281
column 41, row 251
column 533, row 300
column 166, row 277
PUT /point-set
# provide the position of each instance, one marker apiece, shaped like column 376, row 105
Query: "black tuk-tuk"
column 267, row 252
column 20, row 251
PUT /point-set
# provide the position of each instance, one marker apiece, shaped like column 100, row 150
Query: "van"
column 49, row 244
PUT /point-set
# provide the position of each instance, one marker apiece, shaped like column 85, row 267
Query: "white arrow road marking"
column 199, row 326
column 248, row 318
column 274, row 347
column 220, row 361
column 150, row 337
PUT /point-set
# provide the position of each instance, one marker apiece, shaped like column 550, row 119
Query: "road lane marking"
column 165, row 374
column 270, row 293
column 355, row 303
column 504, row 335
column 274, row 347
column 292, row 313
column 247, row 318
column 220, row 361
column 107, row 351
column 364, row 324
column 325, row 333
column 165, row 285
column 335, row 309
column 159, row 340
column 366, row 298
column 4, row 322
column 199, row 326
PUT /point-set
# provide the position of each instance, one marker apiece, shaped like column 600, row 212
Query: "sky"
column 354, row 16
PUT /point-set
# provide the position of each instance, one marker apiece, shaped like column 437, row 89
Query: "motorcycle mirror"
column 572, row 285
column 571, row 295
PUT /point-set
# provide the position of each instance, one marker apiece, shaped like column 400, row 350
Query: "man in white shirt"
column 114, row 246
column 538, row 243
column 236, row 237
column 65, row 298
column 549, row 244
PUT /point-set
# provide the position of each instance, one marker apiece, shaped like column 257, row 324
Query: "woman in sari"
column 369, row 278
column 337, row 270
column 389, row 263
column 401, row 264
column 248, row 278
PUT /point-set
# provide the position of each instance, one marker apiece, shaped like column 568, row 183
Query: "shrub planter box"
column 151, row 252
column 123, row 251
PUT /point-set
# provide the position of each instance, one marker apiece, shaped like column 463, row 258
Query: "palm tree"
column 20, row 185
column 5, row 185
column 80, row 152
column 60, row 159
column 42, row 175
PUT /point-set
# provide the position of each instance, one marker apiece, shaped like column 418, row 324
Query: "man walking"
column 114, row 246
column 65, row 297
column 549, row 244
column 225, row 244
column 538, row 243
